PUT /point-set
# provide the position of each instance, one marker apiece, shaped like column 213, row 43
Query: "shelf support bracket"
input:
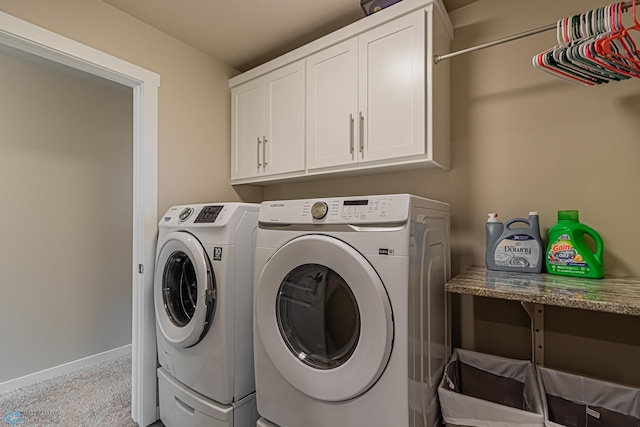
column 536, row 314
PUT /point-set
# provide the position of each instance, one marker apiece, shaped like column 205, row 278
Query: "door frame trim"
column 22, row 35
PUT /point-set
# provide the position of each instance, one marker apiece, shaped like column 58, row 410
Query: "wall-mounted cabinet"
column 366, row 98
column 268, row 124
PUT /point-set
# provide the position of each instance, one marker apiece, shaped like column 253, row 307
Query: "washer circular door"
column 324, row 317
column 184, row 291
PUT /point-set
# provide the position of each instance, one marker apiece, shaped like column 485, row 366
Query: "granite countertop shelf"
column 611, row 294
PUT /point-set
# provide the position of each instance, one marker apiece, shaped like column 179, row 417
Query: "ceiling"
column 247, row 33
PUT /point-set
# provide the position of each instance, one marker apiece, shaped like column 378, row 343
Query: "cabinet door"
column 332, row 106
column 391, row 88
column 283, row 132
column 246, row 123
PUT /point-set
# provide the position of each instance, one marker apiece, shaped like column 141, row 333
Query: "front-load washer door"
column 324, row 317
column 184, row 290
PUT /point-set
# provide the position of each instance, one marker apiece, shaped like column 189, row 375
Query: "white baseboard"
column 63, row 369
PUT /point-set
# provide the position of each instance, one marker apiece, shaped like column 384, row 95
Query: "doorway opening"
column 23, row 36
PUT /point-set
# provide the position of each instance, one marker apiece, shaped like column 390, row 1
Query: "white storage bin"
column 576, row 401
column 479, row 389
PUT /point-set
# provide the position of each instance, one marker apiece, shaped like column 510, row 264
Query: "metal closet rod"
column 549, row 27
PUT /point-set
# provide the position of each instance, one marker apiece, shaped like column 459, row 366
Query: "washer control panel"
column 362, row 208
column 204, row 215
column 208, row 214
column 343, row 210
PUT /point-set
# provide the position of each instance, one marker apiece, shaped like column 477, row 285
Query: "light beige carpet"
column 96, row 396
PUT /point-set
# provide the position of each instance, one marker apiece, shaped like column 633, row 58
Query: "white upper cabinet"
column 366, row 98
column 268, row 124
column 246, row 123
column 391, row 89
column 332, row 106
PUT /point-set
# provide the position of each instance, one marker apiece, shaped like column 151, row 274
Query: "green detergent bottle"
column 568, row 254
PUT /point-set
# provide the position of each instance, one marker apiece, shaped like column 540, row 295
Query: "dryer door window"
column 184, row 290
column 324, row 317
column 318, row 316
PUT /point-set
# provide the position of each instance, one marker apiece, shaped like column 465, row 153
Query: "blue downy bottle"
column 511, row 248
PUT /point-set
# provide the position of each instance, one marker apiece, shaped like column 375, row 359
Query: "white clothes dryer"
column 203, row 297
column 351, row 324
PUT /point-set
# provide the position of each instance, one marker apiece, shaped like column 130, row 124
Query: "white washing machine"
column 351, row 323
column 203, row 295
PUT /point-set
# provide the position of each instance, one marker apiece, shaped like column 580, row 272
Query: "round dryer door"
column 324, row 317
column 184, row 290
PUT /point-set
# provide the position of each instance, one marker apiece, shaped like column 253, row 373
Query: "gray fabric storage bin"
column 576, row 401
column 479, row 389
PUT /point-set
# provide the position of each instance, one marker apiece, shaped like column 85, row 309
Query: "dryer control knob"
column 319, row 210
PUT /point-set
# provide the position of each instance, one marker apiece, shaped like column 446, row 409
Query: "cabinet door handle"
column 351, row 141
column 362, row 134
column 258, row 152
column 264, row 151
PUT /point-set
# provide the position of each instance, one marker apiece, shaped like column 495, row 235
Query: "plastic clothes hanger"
column 593, row 48
column 624, row 35
column 584, row 53
column 575, row 33
column 599, row 26
column 620, row 48
column 540, row 62
column 617, row 55
column 545, row 61
column 591, row 27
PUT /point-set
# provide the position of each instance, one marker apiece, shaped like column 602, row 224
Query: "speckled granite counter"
column 613, row 295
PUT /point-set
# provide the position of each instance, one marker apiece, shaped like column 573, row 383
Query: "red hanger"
column 620, row 48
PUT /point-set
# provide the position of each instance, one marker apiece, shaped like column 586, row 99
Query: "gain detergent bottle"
column 568, row 254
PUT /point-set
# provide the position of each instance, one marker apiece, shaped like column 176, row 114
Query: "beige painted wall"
column 539, row 143
column 65, row 224
column 194, row 98
column 523, row 140
column 193, row 150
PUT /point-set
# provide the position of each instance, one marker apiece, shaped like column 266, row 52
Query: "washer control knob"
column 319, row 210
column 185, row 214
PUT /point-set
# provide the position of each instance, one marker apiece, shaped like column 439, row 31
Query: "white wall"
column 66, row 222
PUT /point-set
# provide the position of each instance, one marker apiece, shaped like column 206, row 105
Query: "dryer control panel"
column 342, row 210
